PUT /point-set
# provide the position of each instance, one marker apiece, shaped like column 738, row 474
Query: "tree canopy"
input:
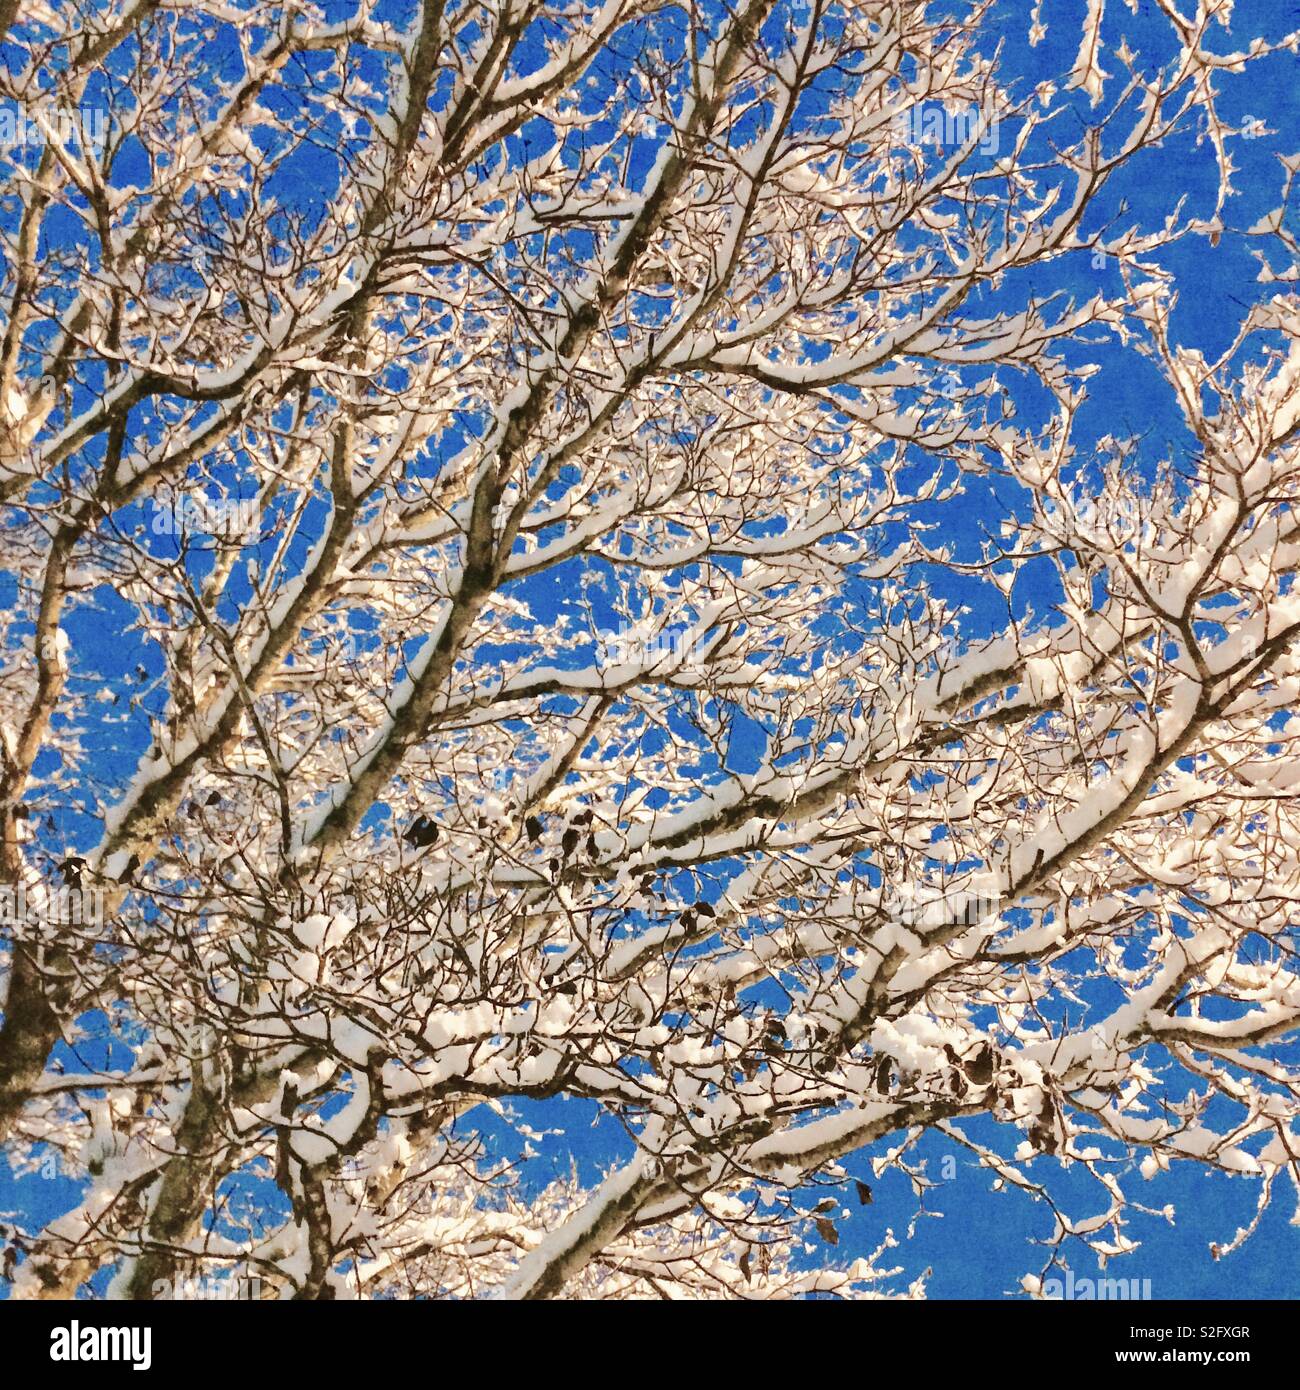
column 553, row 559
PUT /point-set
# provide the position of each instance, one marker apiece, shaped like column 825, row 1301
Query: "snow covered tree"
column 504, row 475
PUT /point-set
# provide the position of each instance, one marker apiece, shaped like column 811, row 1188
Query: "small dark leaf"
column 979, row 1067
column 864, row 1193
column 882, row 1074
column 826, row 1229
column 71, row 868
column 422, row 832
column 533, row 825
column 289, row 1101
